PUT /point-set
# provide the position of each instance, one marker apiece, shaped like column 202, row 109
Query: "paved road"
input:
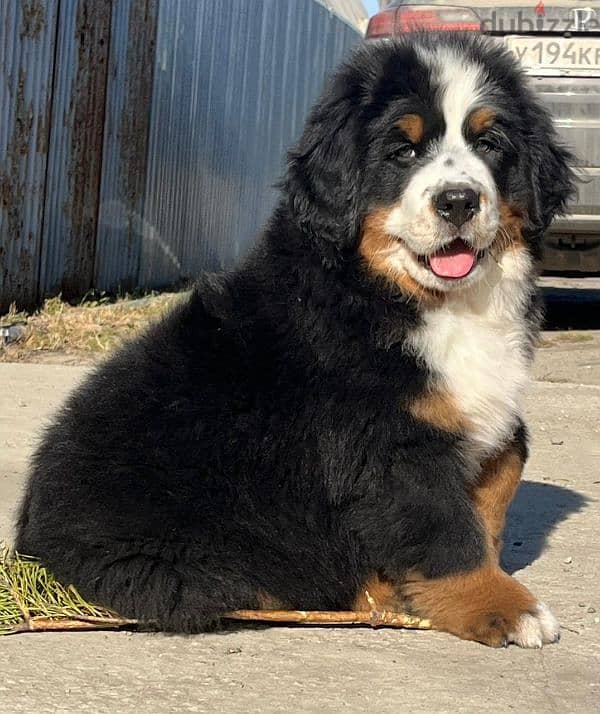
column 551, row 545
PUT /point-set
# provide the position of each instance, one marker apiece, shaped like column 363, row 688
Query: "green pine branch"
column 32, row 599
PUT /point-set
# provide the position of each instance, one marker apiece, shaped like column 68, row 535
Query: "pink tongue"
column 455, row 261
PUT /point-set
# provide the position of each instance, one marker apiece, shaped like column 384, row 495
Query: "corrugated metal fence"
column 139, row 139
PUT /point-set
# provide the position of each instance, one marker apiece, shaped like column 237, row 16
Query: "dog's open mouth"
column 452, row 262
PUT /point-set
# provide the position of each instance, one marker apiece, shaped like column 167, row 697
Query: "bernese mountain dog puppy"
column 343, row 413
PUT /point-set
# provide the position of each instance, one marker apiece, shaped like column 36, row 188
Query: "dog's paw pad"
column 537, row 629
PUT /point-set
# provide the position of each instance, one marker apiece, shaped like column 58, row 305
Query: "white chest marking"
column 476, row 346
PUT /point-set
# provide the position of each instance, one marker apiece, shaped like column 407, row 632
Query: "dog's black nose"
column 457, row 204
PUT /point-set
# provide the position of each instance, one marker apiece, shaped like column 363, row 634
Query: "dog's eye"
column 486, row 146
column 403, row 152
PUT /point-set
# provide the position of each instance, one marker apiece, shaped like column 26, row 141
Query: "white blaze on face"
column 452, row 161
column 476, row 343
column 461, row 90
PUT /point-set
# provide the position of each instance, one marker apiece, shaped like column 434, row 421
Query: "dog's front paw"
column 537, row 629
column 531, row 628
column 486, row 606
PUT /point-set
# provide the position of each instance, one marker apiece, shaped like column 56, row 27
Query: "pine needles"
column 32, row 599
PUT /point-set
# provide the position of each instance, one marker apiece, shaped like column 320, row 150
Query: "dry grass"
column 81, row 333
column 551, row 339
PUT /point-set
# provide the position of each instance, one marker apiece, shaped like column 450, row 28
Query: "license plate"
column 556, row 53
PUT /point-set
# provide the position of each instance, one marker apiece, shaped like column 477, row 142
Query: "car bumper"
column 573, row 241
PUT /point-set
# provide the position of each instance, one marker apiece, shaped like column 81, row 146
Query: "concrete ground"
column 551, row 545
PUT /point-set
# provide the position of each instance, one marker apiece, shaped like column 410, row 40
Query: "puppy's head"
column 431, row 158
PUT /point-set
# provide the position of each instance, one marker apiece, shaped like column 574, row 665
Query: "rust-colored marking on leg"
column 484, row 605
column 494, row 492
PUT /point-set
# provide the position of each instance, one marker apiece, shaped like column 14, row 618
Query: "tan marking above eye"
column 413, row 127
column 481, row 120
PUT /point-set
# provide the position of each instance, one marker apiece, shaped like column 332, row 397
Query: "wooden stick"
column 372, row 618
column 324, row 617
column 83, row 622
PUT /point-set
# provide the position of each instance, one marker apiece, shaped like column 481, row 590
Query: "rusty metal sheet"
column 27, row 42
column 232, row 84
column 76, row 139
column 128, row 101
column 158, row 128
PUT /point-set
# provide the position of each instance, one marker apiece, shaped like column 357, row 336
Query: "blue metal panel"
column 27, row 41
column 232, row 84
column 128, row 98
column 75, row 151
column 124, row 162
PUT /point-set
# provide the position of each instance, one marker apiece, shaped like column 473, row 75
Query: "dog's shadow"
column 537, row 509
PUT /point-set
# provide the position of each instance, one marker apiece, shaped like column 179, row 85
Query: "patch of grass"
column 88, row 330
column 573, row 337
column 559, row 338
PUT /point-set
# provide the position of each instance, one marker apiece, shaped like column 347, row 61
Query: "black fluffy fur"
column 257, row 441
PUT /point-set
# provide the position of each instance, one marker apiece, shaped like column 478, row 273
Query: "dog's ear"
column 552, row 179
column 322, row 182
